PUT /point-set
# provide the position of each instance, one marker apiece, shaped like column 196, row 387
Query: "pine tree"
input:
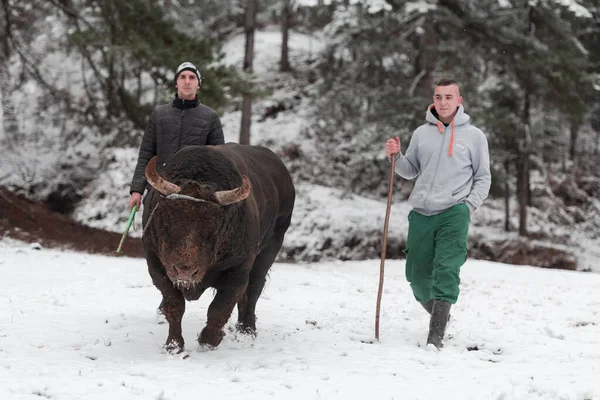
column 132, row 50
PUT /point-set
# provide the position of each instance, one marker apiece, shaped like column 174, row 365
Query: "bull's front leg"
column 229, row 292
column 173, row 309
column 173, row 304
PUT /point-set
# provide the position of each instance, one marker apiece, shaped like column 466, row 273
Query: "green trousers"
column 436, row 248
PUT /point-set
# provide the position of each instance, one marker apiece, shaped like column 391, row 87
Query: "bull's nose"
column 181, row 269
column 184, row 272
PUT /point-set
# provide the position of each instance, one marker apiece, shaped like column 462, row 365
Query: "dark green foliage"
column 131, row 42
column 522, row 68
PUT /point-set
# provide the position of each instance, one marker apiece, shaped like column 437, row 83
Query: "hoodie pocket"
column 441, row 199
column 467, row 210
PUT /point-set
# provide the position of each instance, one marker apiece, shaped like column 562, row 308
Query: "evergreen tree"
column 367, row 93
column 89, row 72
column 132, row 51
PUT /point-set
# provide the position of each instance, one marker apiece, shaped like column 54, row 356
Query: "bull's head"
column 224, row 197
column 187, row 226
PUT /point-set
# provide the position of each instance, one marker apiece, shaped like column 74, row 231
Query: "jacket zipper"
column 437, row 165
column 180, row 131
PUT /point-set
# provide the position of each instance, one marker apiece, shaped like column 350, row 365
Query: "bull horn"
column 226, row 197
column 157, row 182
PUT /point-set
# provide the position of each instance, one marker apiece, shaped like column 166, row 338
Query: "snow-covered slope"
column 77, row 326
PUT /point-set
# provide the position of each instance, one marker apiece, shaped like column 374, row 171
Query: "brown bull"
column 215, row 217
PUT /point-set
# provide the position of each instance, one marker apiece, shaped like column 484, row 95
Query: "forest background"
column 79, row 78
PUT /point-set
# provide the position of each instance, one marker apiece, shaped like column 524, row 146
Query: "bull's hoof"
column 211, row 336
column 245, row 329
column 174, row 346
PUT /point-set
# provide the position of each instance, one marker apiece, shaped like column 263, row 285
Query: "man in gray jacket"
column 183, row 122
column 450, row 160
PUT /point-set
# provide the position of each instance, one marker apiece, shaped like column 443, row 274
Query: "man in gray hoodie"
column 450, row 160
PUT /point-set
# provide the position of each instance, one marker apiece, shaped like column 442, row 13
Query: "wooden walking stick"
column 384, row 244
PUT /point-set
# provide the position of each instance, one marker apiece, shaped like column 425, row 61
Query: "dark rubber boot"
column 437, row 323
column 428, row 306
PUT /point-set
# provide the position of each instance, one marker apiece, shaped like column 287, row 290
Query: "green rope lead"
column 131, row 215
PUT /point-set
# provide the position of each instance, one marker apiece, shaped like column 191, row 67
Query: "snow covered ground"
column 78, row 326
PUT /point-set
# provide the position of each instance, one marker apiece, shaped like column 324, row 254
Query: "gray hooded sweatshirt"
column 451, row 164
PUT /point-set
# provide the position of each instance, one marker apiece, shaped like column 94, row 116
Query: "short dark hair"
column 446, row 82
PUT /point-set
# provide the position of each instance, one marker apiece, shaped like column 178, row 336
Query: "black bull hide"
column 215, row 217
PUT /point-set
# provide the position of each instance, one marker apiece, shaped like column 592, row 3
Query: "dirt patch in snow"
column 33, row 222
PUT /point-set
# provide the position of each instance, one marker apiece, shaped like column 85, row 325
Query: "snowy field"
column 78, row 326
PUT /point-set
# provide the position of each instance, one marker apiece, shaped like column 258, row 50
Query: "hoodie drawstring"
column 451, row 140
column 441, row 128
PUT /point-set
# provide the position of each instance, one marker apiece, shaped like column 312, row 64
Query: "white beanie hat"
column 188, row 66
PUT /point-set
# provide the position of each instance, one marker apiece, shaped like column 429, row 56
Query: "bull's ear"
column 226, row 197
column 157, row 182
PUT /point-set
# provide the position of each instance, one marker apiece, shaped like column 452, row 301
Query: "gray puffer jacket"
column 171, row 127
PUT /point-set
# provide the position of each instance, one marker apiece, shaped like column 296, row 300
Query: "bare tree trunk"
column 525, row 148
column 524, row 169
column 250, row 25
column 563, row 158
column 10, row 124
column 428, row 56
column 506, row 194
column 595, row 122
column 246, row 120
column 7, row 29
column 574, row 135
column 286, row 16
column 524, row 166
